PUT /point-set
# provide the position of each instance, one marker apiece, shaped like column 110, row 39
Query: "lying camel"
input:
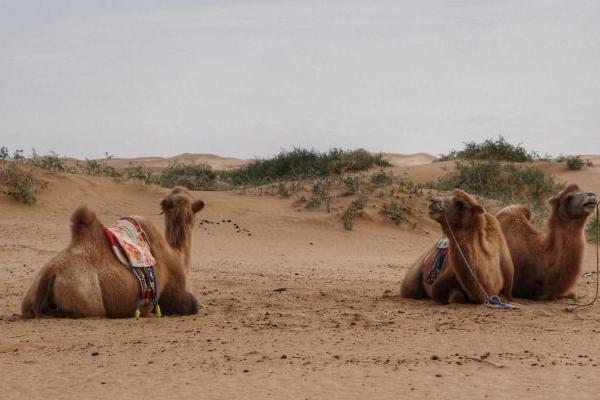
column 479, row 236
column 87, row 280
column 547, row 265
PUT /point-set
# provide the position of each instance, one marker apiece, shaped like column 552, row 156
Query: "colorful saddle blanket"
column 130, row 244
column 436, row 261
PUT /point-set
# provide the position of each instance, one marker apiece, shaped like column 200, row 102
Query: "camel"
column 87, row 280
column 478, row 235
column 548, row 264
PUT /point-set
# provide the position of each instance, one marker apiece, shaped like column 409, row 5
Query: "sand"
column 295, row 308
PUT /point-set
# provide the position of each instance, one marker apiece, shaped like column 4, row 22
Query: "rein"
column 573, row 307
column 490, row 301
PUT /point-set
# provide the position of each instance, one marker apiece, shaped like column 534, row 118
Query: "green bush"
column 191, row 176
column 495, row 149
column 381, row 178
column 19, row 183
column 51, row 162
column 354, row 210
column 396, row 212
column 321, row 195
column 302, row 163
column 504, row 182
column 96, row 167
column 138, row 173
column 575, row 163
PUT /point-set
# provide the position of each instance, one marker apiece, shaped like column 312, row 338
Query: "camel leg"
column 176, row 301
column 445, row 287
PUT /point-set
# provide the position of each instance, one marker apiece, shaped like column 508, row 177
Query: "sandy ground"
column 295, row 308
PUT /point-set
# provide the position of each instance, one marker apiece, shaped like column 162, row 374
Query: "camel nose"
column 436, row 204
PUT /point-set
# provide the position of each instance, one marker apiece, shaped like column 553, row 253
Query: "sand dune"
column 328, row 333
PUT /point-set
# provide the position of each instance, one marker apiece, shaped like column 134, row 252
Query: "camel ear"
column 477, row 209
column 197, row 206
column 553, row 201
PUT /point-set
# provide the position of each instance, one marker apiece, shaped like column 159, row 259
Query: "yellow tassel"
column 137, row 314
column 157, row 311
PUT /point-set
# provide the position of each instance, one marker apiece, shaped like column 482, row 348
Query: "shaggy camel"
column 481, row 240
column 547, row 265
column 87, row 280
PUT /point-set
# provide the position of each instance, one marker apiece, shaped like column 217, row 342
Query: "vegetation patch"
column 591, row 229
column 495, row 149
column 354, row 210
column 302, row 164
column 395, row 212
column 191, row 176
column 18, row 181
column 501, row 181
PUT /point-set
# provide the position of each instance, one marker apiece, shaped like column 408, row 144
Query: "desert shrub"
column 191, row 176
column 4, row 153
column 591, row 229
column 50, row 162
column 504, row 182
column 96, row 167
column 302, row 163
column 19, row 182
column 138, row 173
column 321, row 195
column 495, row 149
column 354, row 210
column 396, row 212
column 352, row 184
column 575, row 163
column 381, row 178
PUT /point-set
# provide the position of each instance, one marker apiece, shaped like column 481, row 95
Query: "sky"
column 248, row 78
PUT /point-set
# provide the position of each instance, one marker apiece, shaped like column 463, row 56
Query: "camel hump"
column 82, row 221
column 517, row 211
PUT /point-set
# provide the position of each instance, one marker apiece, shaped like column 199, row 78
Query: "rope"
column 573, row 307
column 494, row 302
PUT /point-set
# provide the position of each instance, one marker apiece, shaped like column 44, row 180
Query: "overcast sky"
column 248, row 78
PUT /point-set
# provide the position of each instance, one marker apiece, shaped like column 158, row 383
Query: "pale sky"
column 247, row 78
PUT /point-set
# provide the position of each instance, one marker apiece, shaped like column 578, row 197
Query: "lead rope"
column 573, row 307
column 490, row 301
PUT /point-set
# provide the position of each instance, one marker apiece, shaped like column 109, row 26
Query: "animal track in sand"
column 206, row 223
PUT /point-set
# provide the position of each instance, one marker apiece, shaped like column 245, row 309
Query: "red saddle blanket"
column 130, row 245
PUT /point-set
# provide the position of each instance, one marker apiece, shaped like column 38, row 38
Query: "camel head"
column 572, row 203
column 460, row 210
column 179, row 208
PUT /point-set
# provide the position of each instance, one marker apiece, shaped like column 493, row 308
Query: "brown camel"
column 87, row 280
column 547, row 265
column 480, row 238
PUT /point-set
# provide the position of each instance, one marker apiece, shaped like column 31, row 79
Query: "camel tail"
column 82, row 222
column 37, row 302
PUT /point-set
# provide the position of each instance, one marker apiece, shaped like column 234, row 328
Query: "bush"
column 138, row 173
column 395, row 212
column 504, row 182
column 97, row 167
column 381, row 178
column 302, row 163
column 354, row 209
column 19, row 183
column 492, row 150
column 321, row 195
column 191, row 176
column 51, row 162
column 575, row 163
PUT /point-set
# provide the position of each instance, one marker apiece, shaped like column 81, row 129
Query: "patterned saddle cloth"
column 130, row 244
column 435, row 261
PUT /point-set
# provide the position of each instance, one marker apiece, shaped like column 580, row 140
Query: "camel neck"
column 179, row 236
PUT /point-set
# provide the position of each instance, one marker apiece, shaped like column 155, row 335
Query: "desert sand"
column 295, row 307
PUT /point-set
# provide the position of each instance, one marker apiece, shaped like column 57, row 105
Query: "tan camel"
column 481, row 240
column 547, row 265
column 87, row 280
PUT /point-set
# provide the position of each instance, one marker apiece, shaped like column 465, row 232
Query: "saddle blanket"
column 130, row 244
column 435, row 261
